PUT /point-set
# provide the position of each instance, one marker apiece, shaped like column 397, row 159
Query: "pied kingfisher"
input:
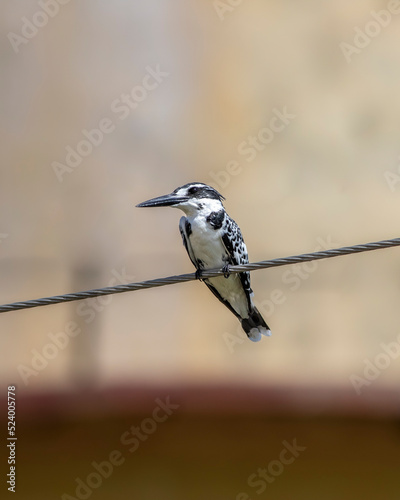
column 213, row 240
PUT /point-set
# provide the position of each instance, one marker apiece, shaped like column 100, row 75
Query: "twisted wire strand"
column 171, row 280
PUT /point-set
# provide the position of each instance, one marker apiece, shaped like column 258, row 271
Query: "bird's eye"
column 193, row 190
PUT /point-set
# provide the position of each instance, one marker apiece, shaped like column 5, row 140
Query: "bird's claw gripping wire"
column 226, row 271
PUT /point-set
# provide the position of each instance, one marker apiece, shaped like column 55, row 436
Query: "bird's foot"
column 226, row 271
column 198, row 274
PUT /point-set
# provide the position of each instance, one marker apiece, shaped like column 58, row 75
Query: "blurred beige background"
column 319, row 181
column 189, row 91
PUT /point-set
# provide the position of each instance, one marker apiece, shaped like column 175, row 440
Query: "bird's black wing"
column 236, row 249
column 186, row 230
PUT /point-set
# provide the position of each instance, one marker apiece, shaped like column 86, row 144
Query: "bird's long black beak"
column 167, row 200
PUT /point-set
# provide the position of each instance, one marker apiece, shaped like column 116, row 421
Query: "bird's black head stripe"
column 200, row 190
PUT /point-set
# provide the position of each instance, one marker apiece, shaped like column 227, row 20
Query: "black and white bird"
column 213, row 240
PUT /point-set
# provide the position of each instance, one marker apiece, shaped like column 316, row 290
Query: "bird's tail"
column 255, row 326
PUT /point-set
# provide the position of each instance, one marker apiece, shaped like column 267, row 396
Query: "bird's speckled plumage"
column 213, row 240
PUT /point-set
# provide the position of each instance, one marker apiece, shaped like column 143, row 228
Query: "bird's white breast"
column 206, row 242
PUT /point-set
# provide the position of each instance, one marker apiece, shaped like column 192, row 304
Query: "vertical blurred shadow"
column 85, row 364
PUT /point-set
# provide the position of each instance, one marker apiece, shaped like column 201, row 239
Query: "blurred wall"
column 290, row 109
